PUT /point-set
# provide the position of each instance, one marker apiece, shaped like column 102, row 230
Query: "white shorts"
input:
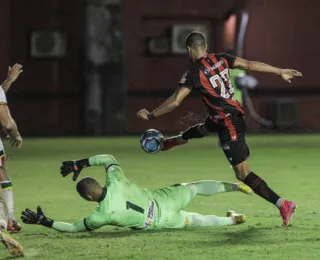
column 2, row 154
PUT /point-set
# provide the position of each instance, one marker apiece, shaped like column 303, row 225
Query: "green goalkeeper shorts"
column 170, row 203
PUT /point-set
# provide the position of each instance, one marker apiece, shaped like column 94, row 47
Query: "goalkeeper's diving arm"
column 30, row 217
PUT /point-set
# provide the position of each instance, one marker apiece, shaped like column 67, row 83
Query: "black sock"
column 261, row 188
column 192, row 132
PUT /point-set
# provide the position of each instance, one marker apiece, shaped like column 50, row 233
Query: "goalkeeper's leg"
column 198, row 220
column 208, row 188
column 183, row 219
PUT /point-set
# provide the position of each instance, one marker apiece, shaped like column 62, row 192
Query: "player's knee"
column 192, row 188
column 3, row 174
column 241, row 170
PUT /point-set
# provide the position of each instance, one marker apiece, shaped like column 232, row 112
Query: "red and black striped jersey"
column 210, row 76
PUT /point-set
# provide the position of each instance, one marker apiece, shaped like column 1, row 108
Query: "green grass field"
column 290, row 164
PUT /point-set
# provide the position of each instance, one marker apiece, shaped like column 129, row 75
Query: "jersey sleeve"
column 3, row 98
column 96, row 220
column 111, row 165
column 229, row 58
column 190, row 79
column 78, row 226
column 115, row 175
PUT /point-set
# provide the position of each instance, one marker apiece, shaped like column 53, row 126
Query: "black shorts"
column 232, row 133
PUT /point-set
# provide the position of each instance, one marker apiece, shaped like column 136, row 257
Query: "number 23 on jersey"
column 223, row 82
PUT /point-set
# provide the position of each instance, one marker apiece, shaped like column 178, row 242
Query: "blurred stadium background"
column 89, row 66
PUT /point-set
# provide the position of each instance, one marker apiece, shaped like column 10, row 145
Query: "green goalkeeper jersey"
column 122, row 203
column 234, row 74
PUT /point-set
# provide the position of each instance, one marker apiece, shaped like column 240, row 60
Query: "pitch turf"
column 290, row 164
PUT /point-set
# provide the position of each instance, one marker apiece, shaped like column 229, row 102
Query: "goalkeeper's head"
column 89, row 189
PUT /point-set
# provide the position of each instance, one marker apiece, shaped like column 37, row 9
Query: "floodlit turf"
column 290, row 164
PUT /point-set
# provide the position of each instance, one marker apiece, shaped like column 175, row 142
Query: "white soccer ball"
column 151, row 141
column 3, row 224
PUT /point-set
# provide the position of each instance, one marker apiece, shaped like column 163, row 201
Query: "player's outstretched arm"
column 10, row 126
column 286, row 74
column 76, row 166
column 166, row 107
column 38, row 218
column 13, row 74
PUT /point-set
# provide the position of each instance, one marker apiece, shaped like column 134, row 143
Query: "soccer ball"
column 151, row 141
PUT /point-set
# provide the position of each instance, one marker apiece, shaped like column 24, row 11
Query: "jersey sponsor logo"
column 151, row 211
column 151, row 214
column 217, row 65
column 226, row 147
column 207, row 71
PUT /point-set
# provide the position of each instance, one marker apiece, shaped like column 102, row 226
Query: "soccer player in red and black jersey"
column 209, row 74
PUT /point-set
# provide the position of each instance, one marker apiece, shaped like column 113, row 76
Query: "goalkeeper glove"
column 74, row 166
column 30, row 217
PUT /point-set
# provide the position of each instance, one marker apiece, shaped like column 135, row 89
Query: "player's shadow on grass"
column 238, row 235
column 256, row 235
column 12, row 257
column 128, row 233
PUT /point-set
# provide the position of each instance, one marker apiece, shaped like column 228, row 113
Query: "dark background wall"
column 285, row 33
column 48, row 98
column 150, row 79
column 282, row 33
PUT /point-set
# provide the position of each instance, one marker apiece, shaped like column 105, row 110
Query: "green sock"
column 199, row 220
column 208, row 188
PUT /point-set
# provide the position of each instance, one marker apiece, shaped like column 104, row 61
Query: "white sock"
column 279, row 202
column 7, row 195
column 3, row 211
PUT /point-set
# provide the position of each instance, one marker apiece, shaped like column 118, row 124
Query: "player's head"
column 196, row 45
column 89, row 189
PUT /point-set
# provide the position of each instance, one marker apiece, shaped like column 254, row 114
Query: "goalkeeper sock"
column 261, row 188
column 192, row 132
column 7, row 194
column 199, row 220
column 208, row 188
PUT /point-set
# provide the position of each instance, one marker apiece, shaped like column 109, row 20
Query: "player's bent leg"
column 7, row 195
column 261, row 188
column 198, row 220
column 196, row 131
column 13, row 246
column 3, row 214
column 209, row 187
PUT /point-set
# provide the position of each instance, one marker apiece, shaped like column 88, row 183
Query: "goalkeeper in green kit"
column 124, row 204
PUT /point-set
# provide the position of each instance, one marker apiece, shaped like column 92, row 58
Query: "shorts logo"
column 151, row 214
column 226, row 147
column 151, row 211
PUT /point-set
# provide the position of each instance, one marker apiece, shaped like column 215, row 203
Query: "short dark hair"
column 196, row 40
column 86, row 186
